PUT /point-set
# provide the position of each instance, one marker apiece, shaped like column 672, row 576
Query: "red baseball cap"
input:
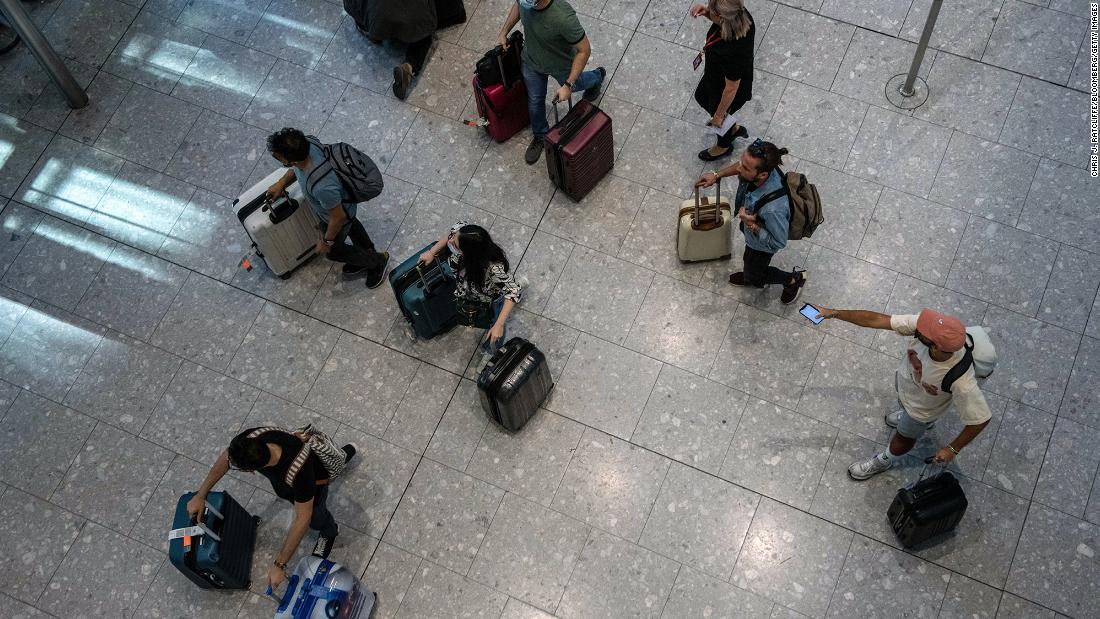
column 946, row 332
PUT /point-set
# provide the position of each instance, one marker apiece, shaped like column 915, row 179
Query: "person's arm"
column 303, row 510
column 773, row 232
column 337, row 219
column 509, row 22
column 969, row 433
column 280, row 185
column 497, row 330
column 860, row 318
column 728, row 93
column 583, row 49
column 710, row 178
column 428, row 256
column 217, row 471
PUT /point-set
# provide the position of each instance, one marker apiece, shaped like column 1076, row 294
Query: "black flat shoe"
column 741, row 132
column 706, row 156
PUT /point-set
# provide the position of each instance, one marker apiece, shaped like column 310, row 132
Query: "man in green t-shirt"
column 554, row 45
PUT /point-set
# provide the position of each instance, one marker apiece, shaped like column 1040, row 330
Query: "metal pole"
column 21, row 23
column 906, row 89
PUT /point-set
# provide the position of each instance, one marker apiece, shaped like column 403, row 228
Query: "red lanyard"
column 711, row 40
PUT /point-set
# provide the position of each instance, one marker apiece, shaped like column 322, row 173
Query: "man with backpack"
column 299, row 466
column 334, row 178
column 938, row 370
column 763, row 206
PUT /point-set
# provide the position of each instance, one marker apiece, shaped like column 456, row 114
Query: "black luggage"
column 927, row 509
column 216, row 550
column 449, row 13
column 514, row 383
column 502, row 67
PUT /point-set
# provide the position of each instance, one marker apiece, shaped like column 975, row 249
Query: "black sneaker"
column 323, row 547
column 791, row 291
column 534, row 151
column 375, row 280
column 353, row 269
column 402, row 80
column 593, row 93
column 349, row 452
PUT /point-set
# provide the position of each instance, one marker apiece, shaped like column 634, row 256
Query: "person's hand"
column 563, row 94
column 195, row 505
column 322, row 247
column 706, row 180
column 698, row 10
column 717, row 120
column 274, row 190
column 275, row 577
column 502, row 41
column 943, row 456
column 427, row 257
column 746, row 217
column 495, row 333
column 824, row 312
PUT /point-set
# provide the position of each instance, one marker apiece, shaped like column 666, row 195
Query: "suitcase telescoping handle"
column 434, row 277
column 930, row 461
column 554, row 103
column 288, row 595
column 198, row 527
column 711, row 215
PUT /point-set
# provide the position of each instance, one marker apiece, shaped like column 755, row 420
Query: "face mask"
column 527, row 4
column 454, row 248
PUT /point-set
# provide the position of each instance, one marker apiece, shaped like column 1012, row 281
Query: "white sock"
column 887, row 457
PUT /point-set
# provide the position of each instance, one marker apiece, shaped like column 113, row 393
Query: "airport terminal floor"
column 692, row 458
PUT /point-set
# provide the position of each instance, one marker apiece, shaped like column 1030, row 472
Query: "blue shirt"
column 774, row 217
column 327, row 193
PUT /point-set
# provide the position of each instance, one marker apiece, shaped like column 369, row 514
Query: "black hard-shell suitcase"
column 514, row 383
column 927, row 509
column 216, row 551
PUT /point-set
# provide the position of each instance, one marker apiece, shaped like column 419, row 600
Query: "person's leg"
column 755, row 273
column 416, row 53
column 589, row 82
column 536, row 109
column 488, row 347
column 902, row 441
column 362, row 243
column 321, row 519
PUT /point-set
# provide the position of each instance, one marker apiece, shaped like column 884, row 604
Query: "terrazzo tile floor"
column 691, row 460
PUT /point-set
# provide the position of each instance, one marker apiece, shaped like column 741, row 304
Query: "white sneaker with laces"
column 868, row 468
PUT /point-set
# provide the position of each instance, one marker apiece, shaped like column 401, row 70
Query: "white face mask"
column 454, row 248
column 527, row 4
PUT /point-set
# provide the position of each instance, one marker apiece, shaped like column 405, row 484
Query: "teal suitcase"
column 426, row 294
column 215, row 552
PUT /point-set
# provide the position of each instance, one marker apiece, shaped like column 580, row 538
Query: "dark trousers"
column 759, row 271
column 417, row 53
column 322, row 520
column 360, row 252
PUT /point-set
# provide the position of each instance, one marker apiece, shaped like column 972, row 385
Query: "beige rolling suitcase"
column 704, row 228
column 284, row 231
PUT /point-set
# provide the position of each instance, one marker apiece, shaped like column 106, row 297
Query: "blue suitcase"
column 321, row 589
column 216, row 551
column 426, row 294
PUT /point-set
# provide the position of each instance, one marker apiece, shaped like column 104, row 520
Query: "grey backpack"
column 360, row 179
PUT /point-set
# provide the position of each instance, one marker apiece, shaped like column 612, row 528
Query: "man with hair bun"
column 937, row 345
column 764, row 209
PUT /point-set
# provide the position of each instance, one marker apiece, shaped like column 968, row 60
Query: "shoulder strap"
column 259, row 431
column 296, row 464
column 959, row 368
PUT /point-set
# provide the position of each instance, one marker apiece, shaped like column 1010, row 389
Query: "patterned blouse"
column 498, row 281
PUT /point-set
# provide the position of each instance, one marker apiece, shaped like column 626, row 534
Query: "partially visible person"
column 726, row 84
column 293, row 150
column 554, row 45
column 271, row 452
column 764, row 209
column 412, row 22
column 937, row 345
column 483, row 274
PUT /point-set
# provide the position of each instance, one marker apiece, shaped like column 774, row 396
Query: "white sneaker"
column 894, row 418
column 868, row 468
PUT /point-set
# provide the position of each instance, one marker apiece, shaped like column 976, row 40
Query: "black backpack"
column 360, row 179
column 501, row 67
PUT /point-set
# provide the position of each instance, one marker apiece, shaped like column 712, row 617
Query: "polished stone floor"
column 691, row 460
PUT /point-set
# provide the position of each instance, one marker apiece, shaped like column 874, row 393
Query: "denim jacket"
column 773, row 217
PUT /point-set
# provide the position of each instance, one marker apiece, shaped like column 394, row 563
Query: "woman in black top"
column 726, row 84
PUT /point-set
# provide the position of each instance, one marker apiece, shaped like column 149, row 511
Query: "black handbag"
column 502, row 67
column 474, row 313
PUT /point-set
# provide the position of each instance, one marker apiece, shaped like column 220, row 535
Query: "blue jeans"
column 487, row 346
column 536, row 94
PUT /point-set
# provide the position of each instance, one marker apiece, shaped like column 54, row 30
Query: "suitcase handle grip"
column 554, row 102
column 931, row 461
column 288, row 595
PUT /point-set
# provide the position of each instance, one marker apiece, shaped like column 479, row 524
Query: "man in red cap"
column 937, row 345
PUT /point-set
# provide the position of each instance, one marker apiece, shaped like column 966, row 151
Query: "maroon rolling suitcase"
column 580, row 149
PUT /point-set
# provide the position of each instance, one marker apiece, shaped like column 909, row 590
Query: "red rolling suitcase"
column 580, row 149
column 504, row 109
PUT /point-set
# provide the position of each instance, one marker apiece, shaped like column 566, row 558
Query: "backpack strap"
column 258, row 431
column 296, row 464
column 959, row 368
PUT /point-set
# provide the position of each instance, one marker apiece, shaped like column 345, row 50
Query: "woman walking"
column 726, row 84
column 484, row 277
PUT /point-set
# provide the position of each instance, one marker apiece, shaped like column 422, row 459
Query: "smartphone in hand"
column 811, row 312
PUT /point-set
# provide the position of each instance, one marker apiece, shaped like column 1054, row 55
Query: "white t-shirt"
column 919, row 378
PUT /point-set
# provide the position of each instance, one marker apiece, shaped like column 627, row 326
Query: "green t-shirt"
column 549, row 35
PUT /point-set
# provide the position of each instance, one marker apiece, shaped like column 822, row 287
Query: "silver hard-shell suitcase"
column 285, row 231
